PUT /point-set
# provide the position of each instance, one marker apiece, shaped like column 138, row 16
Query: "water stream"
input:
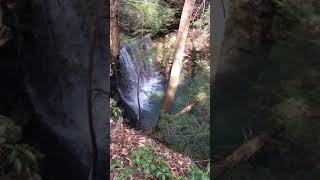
column 139, row 55
column 137, row 59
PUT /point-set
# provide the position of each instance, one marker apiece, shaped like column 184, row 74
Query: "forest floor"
column 125, row 139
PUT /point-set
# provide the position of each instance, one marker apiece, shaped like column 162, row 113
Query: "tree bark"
column 114, row 42
column 178, row 54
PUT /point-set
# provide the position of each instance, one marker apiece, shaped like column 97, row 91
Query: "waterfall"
column 135, row 56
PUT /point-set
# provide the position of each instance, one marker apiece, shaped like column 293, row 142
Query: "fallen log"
column 245, row 151
column 187, row 108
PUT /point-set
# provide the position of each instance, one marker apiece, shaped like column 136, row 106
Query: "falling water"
column 134, row 57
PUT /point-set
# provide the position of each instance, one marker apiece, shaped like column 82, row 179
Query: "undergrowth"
column 19, row 160
column 144, row 16
column 147, row 163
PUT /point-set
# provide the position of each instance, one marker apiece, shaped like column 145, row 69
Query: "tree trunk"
column 178, row 54
column 114, row 42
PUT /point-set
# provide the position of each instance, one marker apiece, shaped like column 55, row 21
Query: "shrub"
column 116, row 112
column 196, row 173
column 146, row 162
column 22, row 159
column 145, row 16
column 186, row 134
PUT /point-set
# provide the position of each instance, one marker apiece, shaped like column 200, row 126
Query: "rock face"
column 56, row 58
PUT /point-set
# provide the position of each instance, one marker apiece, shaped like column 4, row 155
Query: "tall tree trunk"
column 114, row 42
column 178, row 54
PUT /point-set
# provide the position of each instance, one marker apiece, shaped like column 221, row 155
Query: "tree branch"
column 187, row 108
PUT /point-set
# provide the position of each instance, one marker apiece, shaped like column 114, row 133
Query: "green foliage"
column 146, row 162
column 196, row 173
column 186, row 134
column 123, row 173
column 296, row 14
column 202, row 26
column 190, row 131
column 10, row 132
column 124, row 39
column 297, row 94
column 116, row 112
column 22, row 158
column 291, row 114
column 204, row 19
column 294, row 115
column 144, row 16
column 200, row 86
column 150, row 163
column 165, row 48
column 288, row 94
column 293, row 10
